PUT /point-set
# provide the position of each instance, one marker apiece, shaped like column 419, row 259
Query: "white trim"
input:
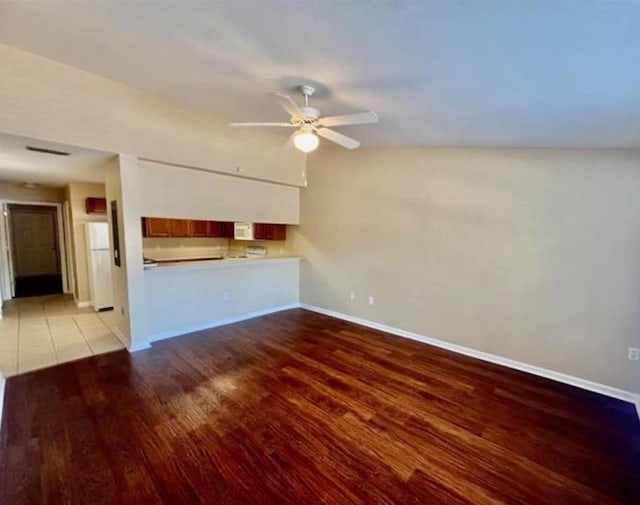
column 140, row 346
column 492, row 358
column 82, row 304
column 2, row 388
column 6, row 260
column 66, row 218
column 220, row 322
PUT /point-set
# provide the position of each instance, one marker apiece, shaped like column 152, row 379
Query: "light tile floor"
column 43, row 331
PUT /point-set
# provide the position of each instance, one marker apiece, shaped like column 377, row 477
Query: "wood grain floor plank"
column 300, row 408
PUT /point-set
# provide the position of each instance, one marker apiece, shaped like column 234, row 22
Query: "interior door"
column 35, row 241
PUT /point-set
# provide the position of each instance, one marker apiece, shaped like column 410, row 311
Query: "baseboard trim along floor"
column 2, row 383
column 139, row 346
column 603, row 389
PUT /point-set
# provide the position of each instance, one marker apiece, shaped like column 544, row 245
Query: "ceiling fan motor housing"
column 310, row 112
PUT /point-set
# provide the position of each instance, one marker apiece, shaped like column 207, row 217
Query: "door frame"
column 7, row 283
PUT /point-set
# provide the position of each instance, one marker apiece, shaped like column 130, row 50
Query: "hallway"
column 43, row 331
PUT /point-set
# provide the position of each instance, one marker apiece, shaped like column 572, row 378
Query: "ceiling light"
column 306, row 141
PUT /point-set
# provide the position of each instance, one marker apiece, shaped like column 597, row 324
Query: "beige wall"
column 77, row 194
column 532, row 255
column 44, row 99
column 16, row 192
column 195, row 194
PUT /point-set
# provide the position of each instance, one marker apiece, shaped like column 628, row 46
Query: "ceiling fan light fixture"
column 306, row 141
column 310, row 124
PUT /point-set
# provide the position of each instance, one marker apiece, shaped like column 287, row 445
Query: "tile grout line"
column 30, row 312
column 84, row 337
column 53, row 344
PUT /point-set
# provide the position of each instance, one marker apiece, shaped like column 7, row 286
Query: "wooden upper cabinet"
column 180, row 227
column 96, row 205
column 227, row 229
column 269, row 231
column 156, row 227
column 259, row 231
column 165, row 227
column 214, row 229
column 200, row 228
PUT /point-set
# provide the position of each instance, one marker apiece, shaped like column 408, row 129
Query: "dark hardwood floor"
column 300, row 408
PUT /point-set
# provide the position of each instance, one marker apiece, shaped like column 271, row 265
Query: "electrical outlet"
column 352, row 295
column 634, row 354
column 371, row 300
column 225, row 296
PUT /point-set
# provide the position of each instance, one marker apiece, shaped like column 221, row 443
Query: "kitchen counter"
column 182, row 264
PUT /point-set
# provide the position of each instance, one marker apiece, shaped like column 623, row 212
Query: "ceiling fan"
column 309, row 124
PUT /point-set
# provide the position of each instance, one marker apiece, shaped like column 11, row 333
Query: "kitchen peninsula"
column 198, row 275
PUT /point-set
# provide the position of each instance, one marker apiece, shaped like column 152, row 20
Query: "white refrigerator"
column 99, row 265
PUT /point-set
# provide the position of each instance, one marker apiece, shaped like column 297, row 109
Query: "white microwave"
column 243, row 231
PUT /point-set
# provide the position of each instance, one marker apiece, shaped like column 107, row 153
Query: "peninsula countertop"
column 216, row 262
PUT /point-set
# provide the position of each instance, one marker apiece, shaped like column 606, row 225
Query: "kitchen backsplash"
column 185, row 248
column 273, row 247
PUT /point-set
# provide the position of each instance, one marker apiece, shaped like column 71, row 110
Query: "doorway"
column 35, row 250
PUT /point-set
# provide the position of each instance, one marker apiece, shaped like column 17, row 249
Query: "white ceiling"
column 537, row 73
column 22, row 166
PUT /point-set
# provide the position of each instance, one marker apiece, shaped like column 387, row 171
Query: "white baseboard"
column 82, row 303
column 139, row 346
column 220, row 322
column 2, row 383
column 492, row 358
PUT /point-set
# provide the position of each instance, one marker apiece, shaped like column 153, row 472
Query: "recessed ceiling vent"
column 46, row 151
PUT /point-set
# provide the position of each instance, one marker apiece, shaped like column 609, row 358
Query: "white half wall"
column 190, row 298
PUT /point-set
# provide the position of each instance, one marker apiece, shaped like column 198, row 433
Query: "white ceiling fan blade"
column 289, row 105
column 290, row 146
column 347, row 119
column 338, row 138
column 283, row 125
